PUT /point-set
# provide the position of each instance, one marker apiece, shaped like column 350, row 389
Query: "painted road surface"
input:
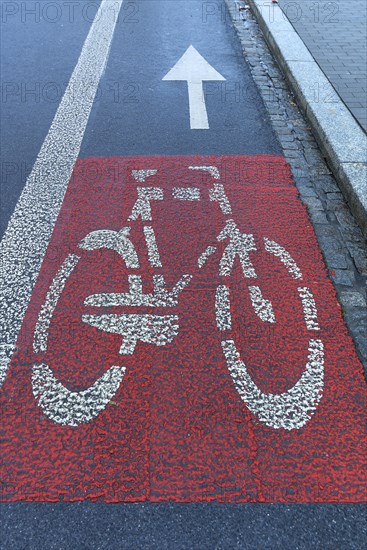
column 181, row 344
column 170, row 332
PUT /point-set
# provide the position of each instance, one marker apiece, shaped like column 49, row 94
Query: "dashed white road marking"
column 29, row 230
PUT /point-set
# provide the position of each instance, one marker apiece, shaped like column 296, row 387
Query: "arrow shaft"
column 198, row 114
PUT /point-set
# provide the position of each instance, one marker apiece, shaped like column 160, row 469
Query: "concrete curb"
column 341, row 139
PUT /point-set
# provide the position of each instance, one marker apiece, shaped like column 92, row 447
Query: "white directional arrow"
column 193, row 68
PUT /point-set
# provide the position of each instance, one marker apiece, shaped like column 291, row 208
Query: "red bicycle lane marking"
column 177, row 427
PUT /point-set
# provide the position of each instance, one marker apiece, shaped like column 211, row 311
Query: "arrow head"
column 192, row 67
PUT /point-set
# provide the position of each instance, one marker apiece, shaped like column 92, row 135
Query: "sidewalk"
column 336, row 35
column 324, row 51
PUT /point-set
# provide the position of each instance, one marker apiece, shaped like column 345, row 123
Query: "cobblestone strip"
column 340, row 238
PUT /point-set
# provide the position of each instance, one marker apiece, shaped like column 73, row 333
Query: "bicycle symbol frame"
column 289, row 410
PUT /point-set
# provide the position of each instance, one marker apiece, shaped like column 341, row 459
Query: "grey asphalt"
column 137, row 113
column 336, row 35
column 35, row 70
column 151, row 116
column 184, row 527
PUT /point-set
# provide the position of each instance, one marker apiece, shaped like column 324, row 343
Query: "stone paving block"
column 337, row 261
column 343, row 277
column 313, row 203
column 317, row 216
column 353, row 299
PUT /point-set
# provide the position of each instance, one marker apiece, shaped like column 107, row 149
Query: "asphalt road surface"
column 127, row 97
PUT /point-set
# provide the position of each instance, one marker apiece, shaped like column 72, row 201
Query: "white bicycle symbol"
column 289, row 410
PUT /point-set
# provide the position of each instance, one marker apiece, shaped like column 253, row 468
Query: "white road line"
column 30, row 227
